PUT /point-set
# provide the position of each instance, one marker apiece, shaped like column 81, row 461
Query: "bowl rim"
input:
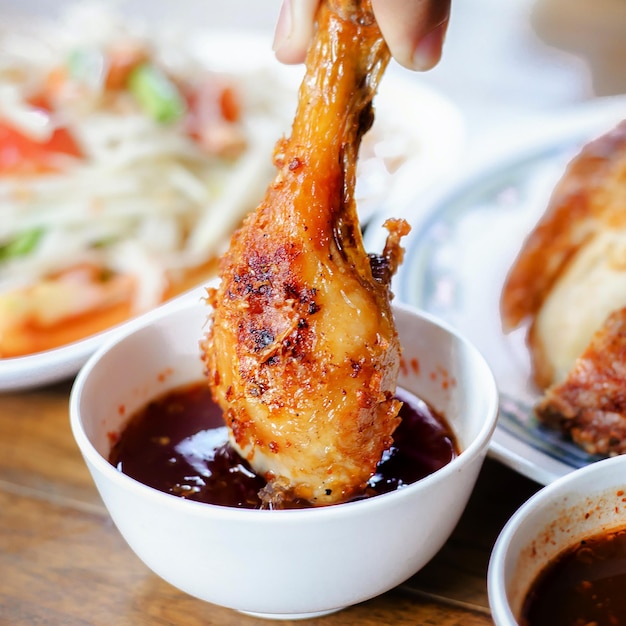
column 478, row 445
column 496, row 587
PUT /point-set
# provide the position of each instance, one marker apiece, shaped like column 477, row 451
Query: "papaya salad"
column 125, row 164
column 130, row 152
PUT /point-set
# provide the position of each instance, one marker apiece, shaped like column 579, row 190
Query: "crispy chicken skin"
column 302, row 353
column 571, row 271
column 590, row 404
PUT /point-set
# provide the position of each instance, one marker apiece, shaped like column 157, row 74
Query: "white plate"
column 59, row 364
column 411, row 118
column 463, row 242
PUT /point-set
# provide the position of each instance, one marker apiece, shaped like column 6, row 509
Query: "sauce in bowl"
column 585, row 585
column 178, row 444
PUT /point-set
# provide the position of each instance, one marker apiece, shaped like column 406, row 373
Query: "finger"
column 294, row 30
column 414, row 30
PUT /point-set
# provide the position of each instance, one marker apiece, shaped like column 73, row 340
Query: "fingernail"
column 428, row 52
column 283, row 26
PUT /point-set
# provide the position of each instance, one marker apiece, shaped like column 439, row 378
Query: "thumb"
column 294, row 30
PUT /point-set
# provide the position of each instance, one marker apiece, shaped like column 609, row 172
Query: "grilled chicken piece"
column 590, row 404
column 303, row 353
column 571, row 272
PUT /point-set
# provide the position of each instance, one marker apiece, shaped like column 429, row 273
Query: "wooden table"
column 62, row 561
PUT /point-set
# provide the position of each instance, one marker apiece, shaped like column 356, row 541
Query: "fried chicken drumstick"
column 302, row 353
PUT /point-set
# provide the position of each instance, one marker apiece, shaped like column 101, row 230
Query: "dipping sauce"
column 583, row 586
column 179, row 444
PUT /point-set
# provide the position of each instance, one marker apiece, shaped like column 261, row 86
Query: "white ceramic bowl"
column 293, row 563
column 583, row 503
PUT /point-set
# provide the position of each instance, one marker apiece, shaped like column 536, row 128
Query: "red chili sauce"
column 586, row 584
column 179, row 444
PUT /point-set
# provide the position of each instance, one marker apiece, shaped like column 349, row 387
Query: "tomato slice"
column 19, row 154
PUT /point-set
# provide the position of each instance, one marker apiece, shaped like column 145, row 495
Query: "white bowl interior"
column 443, row 369
column 437, row 365
column 582, row 504
column 141, row 366
column 283, row 562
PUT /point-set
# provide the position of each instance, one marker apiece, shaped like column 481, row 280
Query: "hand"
column 413, row 29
